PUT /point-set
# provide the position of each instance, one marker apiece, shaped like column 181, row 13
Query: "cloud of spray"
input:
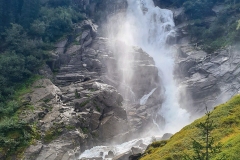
column 150, row 28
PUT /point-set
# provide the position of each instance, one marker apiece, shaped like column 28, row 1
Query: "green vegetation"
column 226, row 121
column 85, row 130
column 55, row 131
column 84, row 103
column 218, row 30
column 97, row 107
column 77, row 95
column 206, row 148
column 15, row 134
column 52, row 134
column 28, row 28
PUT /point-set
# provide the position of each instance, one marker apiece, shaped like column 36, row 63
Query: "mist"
column 152, row 29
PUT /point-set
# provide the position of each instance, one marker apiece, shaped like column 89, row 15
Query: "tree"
column 9, row 12
column 205, row 148
column 30, row 11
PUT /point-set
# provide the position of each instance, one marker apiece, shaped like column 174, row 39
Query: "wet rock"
column 124, row 156
column 136, row 150
column 143, row 146
column 110, row 155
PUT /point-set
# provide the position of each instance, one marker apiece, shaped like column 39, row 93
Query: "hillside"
column 226, row 118
column 71, row 80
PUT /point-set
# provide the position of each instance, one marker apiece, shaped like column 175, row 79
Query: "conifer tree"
column 205, row 148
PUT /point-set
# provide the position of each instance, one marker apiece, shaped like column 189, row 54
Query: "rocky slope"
column 86, row 104
column 207, row 79
column 89, row 101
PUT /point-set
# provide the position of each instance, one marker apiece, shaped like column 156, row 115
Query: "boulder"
column 166, row 136
column 44, row 90
column 136, row 150
column 110, row 155
column 124, row 156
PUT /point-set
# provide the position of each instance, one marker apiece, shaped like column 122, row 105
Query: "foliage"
column 226, row 118
column 14, row 134
column 210, row 30
column 205, row 148
column 52, row 134
column 27, row 30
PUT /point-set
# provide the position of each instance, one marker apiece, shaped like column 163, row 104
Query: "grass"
column 226, row 118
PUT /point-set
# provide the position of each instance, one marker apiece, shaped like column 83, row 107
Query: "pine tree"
column 205, row 148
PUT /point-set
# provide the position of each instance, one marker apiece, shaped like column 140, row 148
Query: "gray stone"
column 110, row 155
column 206, row 79
column 34, row 150
column 74, row 49
column 136, row 150
column 166, row 136
column 124, row 156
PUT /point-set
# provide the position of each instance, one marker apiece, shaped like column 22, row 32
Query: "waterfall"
column 152, row 28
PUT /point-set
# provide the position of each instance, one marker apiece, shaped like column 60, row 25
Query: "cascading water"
column 152, row 28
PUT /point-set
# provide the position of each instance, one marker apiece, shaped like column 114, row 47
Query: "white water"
column 144, row 99
column 117, row 149
column 149, row 27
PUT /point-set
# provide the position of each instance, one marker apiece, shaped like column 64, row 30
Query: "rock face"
column 94, row 98
column 208, row 79
column 81, row 114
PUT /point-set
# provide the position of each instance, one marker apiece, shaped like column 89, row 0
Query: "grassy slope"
column 226, row 117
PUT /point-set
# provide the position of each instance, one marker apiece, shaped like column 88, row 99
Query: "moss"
column 85, row 130
column 69, row 127
column 52, row 134
column 226, row 118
